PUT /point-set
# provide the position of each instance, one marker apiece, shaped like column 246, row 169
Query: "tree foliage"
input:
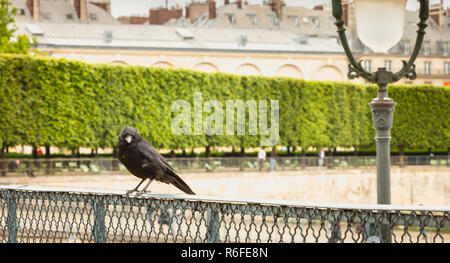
column 71, row 104
column 8, row 43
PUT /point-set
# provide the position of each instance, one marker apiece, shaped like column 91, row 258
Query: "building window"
column 294, row 20
column 405, row 46
column 21, row 11
column 447, row 68
column 367, row 65
column 426, row 48
column 387, row 65
column 69, row 16
column 315, row 20
column 253, row 19
column 427, row 68
column 445, row 47
column 231, row 18
column 93, row 16
column 274, row 19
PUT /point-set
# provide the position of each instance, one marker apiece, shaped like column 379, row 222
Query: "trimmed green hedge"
column 71, row 104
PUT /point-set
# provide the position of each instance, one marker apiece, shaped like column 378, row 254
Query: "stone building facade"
column 268, row 40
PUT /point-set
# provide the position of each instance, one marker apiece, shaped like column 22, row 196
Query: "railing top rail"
column 219, row 199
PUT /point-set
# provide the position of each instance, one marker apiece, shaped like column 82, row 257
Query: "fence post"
column 213, row 225
column 99, row 222
column 11, row 220
column 386, row 233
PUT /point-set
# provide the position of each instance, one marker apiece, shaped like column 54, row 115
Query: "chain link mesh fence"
column 45, row 215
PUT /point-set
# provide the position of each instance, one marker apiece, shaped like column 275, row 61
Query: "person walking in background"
column 26, row 167
column 273, row 161
column 261, row 158
column 321, row 157
column 335, row 232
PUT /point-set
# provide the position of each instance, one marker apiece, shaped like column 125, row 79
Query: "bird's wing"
column 151, row 155
column 164, row 161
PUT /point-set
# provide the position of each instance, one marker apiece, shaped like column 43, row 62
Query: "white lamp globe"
column 380, row 23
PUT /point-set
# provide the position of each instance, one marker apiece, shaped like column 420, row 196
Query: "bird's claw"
column 136, row 191
column 131, row 191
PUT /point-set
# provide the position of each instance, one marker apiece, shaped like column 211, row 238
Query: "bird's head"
column 130, row 135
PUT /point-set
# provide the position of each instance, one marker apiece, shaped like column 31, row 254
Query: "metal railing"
column 32, row 167
column 68, row 215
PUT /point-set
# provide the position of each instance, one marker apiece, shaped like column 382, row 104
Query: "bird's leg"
column 136, row 188
column 145, row 188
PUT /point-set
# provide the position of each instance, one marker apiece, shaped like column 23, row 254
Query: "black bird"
column 143, row 161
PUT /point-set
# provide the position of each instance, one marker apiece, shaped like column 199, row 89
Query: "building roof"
column 168, row 37
column 62, row 11
column 23, row 14
column 313, row 23
column 97, row 15
column 295, row 19
column 252, row 28
column 58, row 11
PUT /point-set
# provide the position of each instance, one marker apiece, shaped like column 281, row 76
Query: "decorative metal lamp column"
column 380, row 26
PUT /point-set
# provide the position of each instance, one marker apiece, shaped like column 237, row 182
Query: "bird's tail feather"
column 179, row 183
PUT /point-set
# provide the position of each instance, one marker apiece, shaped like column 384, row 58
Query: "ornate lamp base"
column 382, row 117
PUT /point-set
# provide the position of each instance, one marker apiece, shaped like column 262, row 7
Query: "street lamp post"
column 380, row 35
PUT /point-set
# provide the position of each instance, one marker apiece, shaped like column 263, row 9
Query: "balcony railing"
column 433, row 73
column 51, row 215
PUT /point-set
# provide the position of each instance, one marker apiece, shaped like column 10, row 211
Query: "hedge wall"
column 71, row 104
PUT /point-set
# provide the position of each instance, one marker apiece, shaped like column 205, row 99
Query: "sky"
column 141, row 7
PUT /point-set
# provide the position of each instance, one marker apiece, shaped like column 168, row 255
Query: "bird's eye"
column 128, row 138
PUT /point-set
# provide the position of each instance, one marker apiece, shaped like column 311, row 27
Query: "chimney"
column 345, row 12
column 33, row 6
column 437, row 14
column 318, row 7
column 81, row 9
column 277, row 6
column 212, row 9
column 163, row 15
column 348, row 12
column 239, row 4
column 187, row 12
column 348, row 16
column 197, row 9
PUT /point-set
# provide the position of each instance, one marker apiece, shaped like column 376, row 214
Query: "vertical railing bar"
column 99, row 221
column 11, row 220
column 213, row 225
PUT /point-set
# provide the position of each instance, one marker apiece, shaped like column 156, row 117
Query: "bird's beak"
column 128, row 138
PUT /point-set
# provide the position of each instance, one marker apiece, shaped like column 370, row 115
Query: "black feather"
column 143, row 161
